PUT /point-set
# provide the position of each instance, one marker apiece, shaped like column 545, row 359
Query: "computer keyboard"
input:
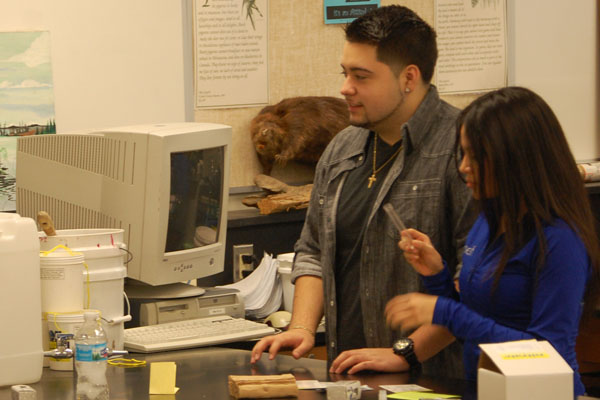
column 193, row 333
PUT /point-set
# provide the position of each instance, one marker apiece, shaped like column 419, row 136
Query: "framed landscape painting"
column 26, row 100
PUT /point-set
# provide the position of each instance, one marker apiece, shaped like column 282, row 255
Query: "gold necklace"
column 372, row 178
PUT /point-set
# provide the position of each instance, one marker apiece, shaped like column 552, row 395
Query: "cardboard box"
column 527, row 369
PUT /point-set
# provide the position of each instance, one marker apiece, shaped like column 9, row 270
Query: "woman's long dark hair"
column 515, row 135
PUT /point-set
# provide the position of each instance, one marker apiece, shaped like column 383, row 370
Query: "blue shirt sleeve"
column 441, row 284
column 556, row 306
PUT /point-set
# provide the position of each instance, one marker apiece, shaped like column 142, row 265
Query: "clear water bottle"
column 91, row 355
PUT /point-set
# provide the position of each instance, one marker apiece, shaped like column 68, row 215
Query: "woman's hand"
column 410, row 310
column 420, row 253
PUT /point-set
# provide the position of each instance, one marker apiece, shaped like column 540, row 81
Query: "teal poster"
column 345, row 11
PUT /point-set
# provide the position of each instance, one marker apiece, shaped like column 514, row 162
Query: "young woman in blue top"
column 531, row 260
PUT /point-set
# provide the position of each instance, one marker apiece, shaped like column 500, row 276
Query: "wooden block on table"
column 262, row 386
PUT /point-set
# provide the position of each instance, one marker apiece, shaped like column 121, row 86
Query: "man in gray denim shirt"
column 400, row 150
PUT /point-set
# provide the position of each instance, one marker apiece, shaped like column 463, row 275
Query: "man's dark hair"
column 400, row 36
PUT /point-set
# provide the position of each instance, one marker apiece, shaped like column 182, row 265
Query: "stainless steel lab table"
column 202, row 374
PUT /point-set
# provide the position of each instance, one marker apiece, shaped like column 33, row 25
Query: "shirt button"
column 367, row 250
column 321, row 201
column 331, row 303
column 415, row 187
column 367, row 292
column 332, row 344
column 360, row 158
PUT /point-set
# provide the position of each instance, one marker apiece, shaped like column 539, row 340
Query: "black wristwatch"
column 405, row 347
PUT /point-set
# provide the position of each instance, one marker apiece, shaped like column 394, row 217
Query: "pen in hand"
column 389, row 209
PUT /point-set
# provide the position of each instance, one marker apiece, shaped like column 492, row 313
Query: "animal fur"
column 297, row 128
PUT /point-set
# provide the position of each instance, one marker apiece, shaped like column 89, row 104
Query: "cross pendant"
column 371, row 180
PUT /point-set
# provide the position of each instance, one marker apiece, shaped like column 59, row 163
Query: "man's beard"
column 366, row 124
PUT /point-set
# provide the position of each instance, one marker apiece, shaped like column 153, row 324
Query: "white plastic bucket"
column 104, row 253
column 284, row 269
column 83, row 238
column 20, row 301
column 61, row 274
column 106, row 288
column 62, row 323
column 102, row 248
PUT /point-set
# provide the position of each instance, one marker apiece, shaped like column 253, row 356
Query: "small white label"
column 52, row 274
column 216, row 311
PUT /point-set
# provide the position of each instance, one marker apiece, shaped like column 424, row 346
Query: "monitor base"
column 179, row 290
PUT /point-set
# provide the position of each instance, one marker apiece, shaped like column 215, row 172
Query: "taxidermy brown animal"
column 297, row 128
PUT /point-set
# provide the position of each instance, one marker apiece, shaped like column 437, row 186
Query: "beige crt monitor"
column 166, row 185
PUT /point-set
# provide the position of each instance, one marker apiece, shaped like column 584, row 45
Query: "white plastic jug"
column 285, row 272
column 21, row 355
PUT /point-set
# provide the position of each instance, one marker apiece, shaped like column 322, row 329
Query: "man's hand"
column 308, row 309
column 373, row 359
column 410, row 310
column 300, row 340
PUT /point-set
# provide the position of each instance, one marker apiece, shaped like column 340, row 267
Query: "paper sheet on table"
column 404, row 388
column 421, row 395
column 310, row 384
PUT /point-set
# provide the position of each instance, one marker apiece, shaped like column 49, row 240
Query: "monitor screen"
column 195, row 202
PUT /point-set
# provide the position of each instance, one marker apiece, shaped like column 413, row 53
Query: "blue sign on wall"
column 344, row 11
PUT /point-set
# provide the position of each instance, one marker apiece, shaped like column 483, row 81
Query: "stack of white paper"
column 261, row 290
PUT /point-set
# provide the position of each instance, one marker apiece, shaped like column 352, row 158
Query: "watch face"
column 402, row 344
column 405, row 347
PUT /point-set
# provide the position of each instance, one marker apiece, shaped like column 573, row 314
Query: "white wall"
column 114, row 62
column 118, row 62
column 554, row 51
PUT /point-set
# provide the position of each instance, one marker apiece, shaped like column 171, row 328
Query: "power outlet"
column 239, row 266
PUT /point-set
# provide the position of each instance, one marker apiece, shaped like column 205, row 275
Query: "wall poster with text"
column 230, row 51
column 472, row 44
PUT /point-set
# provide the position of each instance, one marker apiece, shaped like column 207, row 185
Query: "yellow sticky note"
column 162, row 378
column 524, row 354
